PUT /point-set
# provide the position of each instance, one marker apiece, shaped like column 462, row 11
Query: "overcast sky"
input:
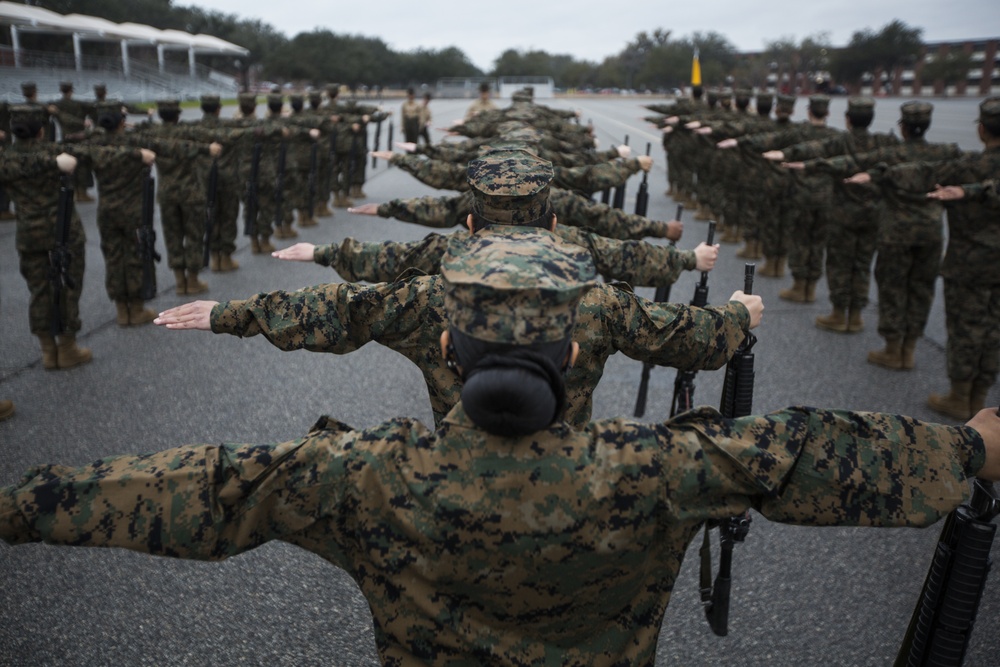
column 594, row 29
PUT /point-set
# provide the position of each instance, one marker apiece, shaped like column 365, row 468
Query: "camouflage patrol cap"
column 332, row 90
column 743, row 94
column 786, row 103
column 516, row 286
column 275, row 99
column 296, row 97
column 713, row 95
column 504, row 144
column 247, row 98
column 65, row 86
column 29, row 89
column 212, row 100
column 100, row 89
column 860, row 103
column 916, row 112
column 168, row 104
column 27, row 113
column 315, row 96
column 510, row 187
column 819, row 105
column 989, row 111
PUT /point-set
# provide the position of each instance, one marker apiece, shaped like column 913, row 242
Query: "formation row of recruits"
column 507, row 533
column 793, row 191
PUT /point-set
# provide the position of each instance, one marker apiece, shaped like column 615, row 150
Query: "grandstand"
column 146, row 70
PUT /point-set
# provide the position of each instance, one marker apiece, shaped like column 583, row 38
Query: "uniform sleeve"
column 15, row 165
column 819, row 467
column 637, row 263
column 594, row 177
column 670, row 334
column 436, row 212
column 435, row 173
column 577, row 211
column 383, row 261
column 336, row 318
column 202, row 502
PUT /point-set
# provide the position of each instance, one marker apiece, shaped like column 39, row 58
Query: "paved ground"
column 801, row 596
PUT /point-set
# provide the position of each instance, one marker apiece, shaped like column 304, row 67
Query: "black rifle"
column 313, row 168
column 737, row 401
column 59, row 258
column 378, row 138
column 252, row 202
column 662, row 295
column 941, row 624
column 642, row 197
column 213, row 185
column 279, row 186
column 356, row 158
column 619, row 199
column 683, row 399
column 147, row 237
column 389, row 141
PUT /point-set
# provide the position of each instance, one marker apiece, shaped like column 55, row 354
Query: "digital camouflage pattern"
column 510, row 187
column 514, row 285
column 563, row 546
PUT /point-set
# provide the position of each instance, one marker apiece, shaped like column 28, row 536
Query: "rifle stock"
column 619, row 198
column 378, row 137
column 59, row 258
column 213, row 184
column 252, row 207
column 683, row 399
column 313, row 175
column 279, row 186
column 147, row 237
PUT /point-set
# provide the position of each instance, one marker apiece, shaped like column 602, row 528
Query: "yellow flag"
column 695, row 70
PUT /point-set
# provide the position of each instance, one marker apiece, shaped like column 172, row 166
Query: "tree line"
column 650, row 61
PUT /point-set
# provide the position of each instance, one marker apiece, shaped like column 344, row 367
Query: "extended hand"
column 300, row 252
column 705, row 256
column 194, row 315
column 364, row 209
column 754, row 304
column 947, row 193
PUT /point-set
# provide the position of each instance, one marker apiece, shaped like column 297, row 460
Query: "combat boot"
column 280, row 233
column 215, row 261
column 7, row 215
column 751, row 250
column 957, row 404
column 890, row 357
column 122, row 313
column 138, row 314
column 797, row 292
column 227, row 263
column 810, row 291
column 770, row 264
column 82, row 196
column 779, row 268
column 6, row 410
column 702, row 213
column 323, row 211
column 50, row 354
column 730, row 234
column 854, row 322
column 289, row 232
column 906, row 353
column 195, row 286
column 181, row 282
column 342, row 201
column 835, row 321
column 977, row 399
column 305, row 220
column 266, row 247
column 69, row 354
column 356, row 191
column 255, row 245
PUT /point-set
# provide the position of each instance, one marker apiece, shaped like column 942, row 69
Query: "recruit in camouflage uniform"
column 29, row 172
column 471, row 548
column 72, row 115
column 225, row 224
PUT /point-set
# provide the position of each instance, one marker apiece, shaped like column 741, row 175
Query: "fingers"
column 194, row 315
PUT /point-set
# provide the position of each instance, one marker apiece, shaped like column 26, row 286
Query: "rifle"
column 279, row 186
column 313, row 167
column 389, row 141
column 642, row 197
column 737, row 401
column 683, row 399
column 619, row 200
column 662, row 294
column 941, row 624
column 352, row 167
column 59, row 258
column 147, row 237
column 213, row 184
column 252, row 202
column 378, row 135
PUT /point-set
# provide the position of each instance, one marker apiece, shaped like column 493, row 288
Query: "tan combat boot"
column 255, row 245
column 730, row 234
column 890, row 357
column 356, row 191
column 122, row 313
column 702, row 213
column 854, row 322
column 342, row 201
column 835, row 321
column 751, row 250
column 279, row 233
column 6, row 410
column 323, row 211
column 956, row 404
column 289, row 232
column 195, row 286
column 768, row 270
column 906, row 353
column 977, row 399
column 266, row 247
column 305, row 220
column 69, row 354
column 227, row 263
column 215, row 261
column 181, row 282
column 796, row 293
column 810, row 291
column 138, row 314
column 50, row 354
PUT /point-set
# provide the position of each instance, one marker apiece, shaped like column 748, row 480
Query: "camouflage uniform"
column 563, row 545
column 222, row 242
column 71, row 115
column 410, row 118
column 29, row 173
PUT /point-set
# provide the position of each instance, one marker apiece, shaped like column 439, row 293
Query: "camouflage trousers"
column 83, row 177
column 4, row 201
column 183, row 233
column 298, row 192
column 806, row 243
column 268, row 209
column 35, row 269
column 224, row 226
column 119, row 230
column 905, row 275
column 773, row 223
column 341, row 177
column 972, row 313
column 850, row 246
